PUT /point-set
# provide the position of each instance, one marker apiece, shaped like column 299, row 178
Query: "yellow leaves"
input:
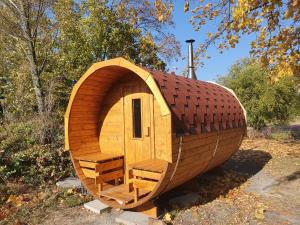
column 186, row 6
column 238, row 13
column 260, row 212
column 168, row 217
column 160, row 17
column 264, row 60
column 283, row 69
column 15, row 200
column 233, row 40
column 70, row 191
column 221, row 46
column 262, row 35
column 207, row 6
column 276, row 40
column 163, row 10
column 288, row 13
column 253, row 44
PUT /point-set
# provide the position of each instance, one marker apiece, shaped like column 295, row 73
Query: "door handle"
column 147, row 133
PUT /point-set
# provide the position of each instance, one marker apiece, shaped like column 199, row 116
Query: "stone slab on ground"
column 132, row 218
column 185, row 201
column 261, row 183
column 97, row 207
column 70, row 182
column 154, row 221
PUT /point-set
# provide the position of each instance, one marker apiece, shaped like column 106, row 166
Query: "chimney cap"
column 190, row 41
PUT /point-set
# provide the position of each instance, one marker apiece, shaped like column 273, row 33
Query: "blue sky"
column 218, row 64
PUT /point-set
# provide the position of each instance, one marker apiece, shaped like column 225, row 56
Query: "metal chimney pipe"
column 191, row 68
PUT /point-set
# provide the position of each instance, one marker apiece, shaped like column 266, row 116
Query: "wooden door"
column 138, row 119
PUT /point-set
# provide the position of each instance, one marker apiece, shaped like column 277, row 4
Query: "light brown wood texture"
column 146, row 174
column 149, row 209
column 138, row 149
column 98, row 157
column 116, row 129
column 120, row 193
column 98, row 134
column 153, row 165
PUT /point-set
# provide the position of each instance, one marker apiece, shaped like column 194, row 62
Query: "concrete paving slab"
column 132, row 218
column 70, row 182
column 97, row 207
column 154, row 221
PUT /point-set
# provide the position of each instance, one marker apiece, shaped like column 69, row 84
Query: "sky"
column 218, row 64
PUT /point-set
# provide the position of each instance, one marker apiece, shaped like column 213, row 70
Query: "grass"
column 281, row 135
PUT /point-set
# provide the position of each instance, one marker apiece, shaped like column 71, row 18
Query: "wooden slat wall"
column 111, row 123
column 197, row 154
column 83, row 132
column 228, row 144
column 162, row 134
column 111, row 136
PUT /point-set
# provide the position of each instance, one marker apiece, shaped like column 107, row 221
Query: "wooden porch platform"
column 121, row 194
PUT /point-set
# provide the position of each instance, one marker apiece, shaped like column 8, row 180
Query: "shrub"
column 37, row 164
column 24, row 159
column 265, row 102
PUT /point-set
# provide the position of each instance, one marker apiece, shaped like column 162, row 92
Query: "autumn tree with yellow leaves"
column 274, row 22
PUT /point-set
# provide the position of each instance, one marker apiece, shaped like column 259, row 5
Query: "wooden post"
column 100, row 188
column 136, row 194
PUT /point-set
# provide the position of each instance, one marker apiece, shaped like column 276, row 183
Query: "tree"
column 275, row 23
column 41, row 61
column 26, row 22
column 103, row 30
column 51, row 43
column 265, row 102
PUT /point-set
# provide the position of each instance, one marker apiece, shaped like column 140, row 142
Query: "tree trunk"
column 31, row 56
column 35, row 76
column 34, row 70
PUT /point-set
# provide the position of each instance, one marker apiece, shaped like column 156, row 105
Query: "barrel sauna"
column 134, row 133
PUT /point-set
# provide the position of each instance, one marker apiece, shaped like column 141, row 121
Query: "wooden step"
column 144, row 184
column 121, row 194
column 98, row 157
column 146, row 174
column 151, row 165
column 113, row 175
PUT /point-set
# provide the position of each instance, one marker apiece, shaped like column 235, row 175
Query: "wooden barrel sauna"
column 134, row 133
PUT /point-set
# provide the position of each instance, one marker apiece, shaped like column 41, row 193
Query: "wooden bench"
column 102, row 167
column 145, row 175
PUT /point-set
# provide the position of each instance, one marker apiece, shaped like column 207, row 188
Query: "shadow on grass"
column 219, row 181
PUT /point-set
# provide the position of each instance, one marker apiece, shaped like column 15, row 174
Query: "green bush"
column 265, row 102
column 37, row 164
column 18, row 136
column 22, row 158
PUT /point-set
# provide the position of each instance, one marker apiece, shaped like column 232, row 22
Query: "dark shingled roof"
column 199, row 106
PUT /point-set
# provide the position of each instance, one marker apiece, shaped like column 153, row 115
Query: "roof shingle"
column 199, row 106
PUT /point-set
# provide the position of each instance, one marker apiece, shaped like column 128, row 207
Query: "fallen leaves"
column 222, row 190
column 37, row 203
column 168, row 217
column 259, row 214
column 18, row 200
column 276, row 148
